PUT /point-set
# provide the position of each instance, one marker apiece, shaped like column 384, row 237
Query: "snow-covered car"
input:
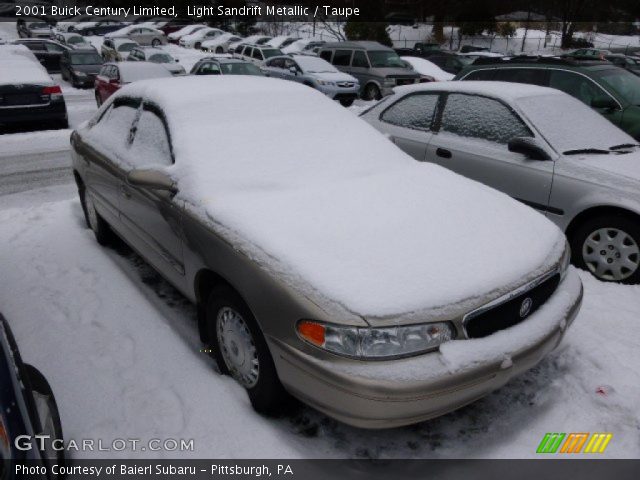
column 156, row 55
column 101, row 27
column 429, row 71
column 315, row 73
column 113, row 76
column 538, row 145
column 224, row 66
column 305, row 45
column 281, row 41
column 28, row 94
column 255, row 53
column 140, row 35
column 177, row 35
column 221, row 43
column 116, row 49
column 73, row 40
column 332, row 266
column 250, row 40
column 29, row 417
column 36, row 29
column 195, row 39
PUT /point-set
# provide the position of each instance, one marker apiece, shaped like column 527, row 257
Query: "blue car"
column 27, row 408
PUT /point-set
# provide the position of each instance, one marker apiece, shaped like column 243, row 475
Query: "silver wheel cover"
column 237, row 347
column 611, row 254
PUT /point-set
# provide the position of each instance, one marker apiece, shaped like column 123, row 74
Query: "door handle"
column 443, row 152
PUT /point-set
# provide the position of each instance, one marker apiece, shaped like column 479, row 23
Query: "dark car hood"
column 87, row 68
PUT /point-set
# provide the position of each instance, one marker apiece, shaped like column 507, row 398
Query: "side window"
column 209, row 68
column 151, row 143
column 342, row 58
column 112, row 132
column 35, row 46
column 257, row 54
column 276, row 63
column 473, row 116
column 359, row 59
column 415, row 111
column 480, row 75
column 575, row 85
column 290, row 63
column 52, row 47
column 534, row 76
column 326, row 55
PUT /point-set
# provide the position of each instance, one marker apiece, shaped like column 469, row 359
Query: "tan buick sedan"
column 326, row 264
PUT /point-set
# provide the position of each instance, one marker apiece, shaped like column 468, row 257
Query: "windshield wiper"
column 623, row 146
column 586, row 151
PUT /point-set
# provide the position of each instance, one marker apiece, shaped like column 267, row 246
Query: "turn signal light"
column 312, row 332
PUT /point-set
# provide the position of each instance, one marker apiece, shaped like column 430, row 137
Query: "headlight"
column 389, row 82
column 565, row 261
column 80, row 74
column 324, row 82
column 376, row 343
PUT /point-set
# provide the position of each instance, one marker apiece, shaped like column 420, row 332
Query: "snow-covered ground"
column 121, row 351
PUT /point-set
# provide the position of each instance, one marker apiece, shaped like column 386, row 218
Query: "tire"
column 155, row 42
column 609, row 248
column 347, row 102
column 219, row 50
column 266, row 393
column 371, row 92
column 197, row 45
column 94, row 221
column 47, row 413
column 98, row 100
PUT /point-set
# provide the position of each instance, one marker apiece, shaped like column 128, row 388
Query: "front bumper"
column 385, row 394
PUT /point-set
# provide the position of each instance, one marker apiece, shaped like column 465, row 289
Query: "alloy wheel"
column 611, row 254
column 237, row 347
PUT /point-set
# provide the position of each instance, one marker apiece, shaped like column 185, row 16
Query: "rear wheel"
column 219, row 50
column 155, row 42
column 98, row 100
column 242, row 352
column 371, row 92
column 95, row 222
column 609, row 248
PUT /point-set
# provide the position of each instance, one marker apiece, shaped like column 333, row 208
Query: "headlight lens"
column 389, row 82
column 324, row 82
column 565, row 261
column 376, row 343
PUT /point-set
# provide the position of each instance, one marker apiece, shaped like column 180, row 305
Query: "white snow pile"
column 337, row 210
column 425, row 67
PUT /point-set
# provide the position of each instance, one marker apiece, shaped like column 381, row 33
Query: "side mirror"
column 293, row 70
column 151, row 179
column 529, row 147
column 605, row 103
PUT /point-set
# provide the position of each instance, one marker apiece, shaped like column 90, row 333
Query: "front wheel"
column 94, row 221
column 155, row 42
column 242, row 352
column 346, row 102
column 609, row 247
column 197, row 45
column 371, row 92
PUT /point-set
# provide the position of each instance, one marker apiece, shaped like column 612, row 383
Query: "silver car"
column 348, row 276
column 315, row 73
column 538, row 145
column 141, row 35
column 156, row 55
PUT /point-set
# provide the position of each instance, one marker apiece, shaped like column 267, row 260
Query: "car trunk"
column 22, row 95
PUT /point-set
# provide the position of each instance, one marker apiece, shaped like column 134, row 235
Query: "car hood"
column 353, row 223
column 334, row 77
column 616, row 170
column 91, row 69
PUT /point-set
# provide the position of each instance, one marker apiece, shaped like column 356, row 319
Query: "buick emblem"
column 525, row 307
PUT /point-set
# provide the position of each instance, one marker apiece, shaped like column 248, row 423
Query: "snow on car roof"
column 425, row 67
column 134, row 71
column 336, row 210
column 507, row 91
column 20, row 70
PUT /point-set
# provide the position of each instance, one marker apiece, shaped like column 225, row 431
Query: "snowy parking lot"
column 120, row 346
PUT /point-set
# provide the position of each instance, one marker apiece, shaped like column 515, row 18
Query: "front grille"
column 345, row 84
column 512, row 311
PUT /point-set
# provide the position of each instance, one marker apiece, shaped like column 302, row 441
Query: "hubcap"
column 91, row 213
column 611, row 254
column 237, row 347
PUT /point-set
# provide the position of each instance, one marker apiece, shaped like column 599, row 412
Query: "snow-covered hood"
column 338, row 212
column 334, row 77
column 619, row 171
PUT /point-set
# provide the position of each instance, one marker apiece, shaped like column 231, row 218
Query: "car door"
column 54, row 53
column 151, row 218
column 289, row 66
column 65, row 63
column 360, row 67
column 471, row 139
column 274, row 67
column 104, row 148
column 409, row 122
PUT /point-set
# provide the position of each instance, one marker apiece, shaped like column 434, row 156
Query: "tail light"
column 52, row 93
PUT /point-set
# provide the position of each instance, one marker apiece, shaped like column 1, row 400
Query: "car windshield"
column 570, row 126
column 38, row 25
column 315, row 65
column 76, row 40
column 384, row 59
column 623, row 83
column 161, row 58
column 86, row 59
column 126, row 47
column 271, row 52
column 240, row 69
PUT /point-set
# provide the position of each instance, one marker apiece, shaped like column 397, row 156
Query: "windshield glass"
column 271, row 52
column 240, row 69
column 126, row 47
column 76, row 40
column 623, row 83
column 568, row 124
column 384, row 59
column 315, row 65
column 38, row 25
column 161, row 58
column 86, row 59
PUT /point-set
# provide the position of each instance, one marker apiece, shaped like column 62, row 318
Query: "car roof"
column 540, row 61
column 507, row 91
column 222, row 60
column 360, row 44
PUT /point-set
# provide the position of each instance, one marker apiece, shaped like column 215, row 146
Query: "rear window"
column 533, row 76
column 342, row 58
